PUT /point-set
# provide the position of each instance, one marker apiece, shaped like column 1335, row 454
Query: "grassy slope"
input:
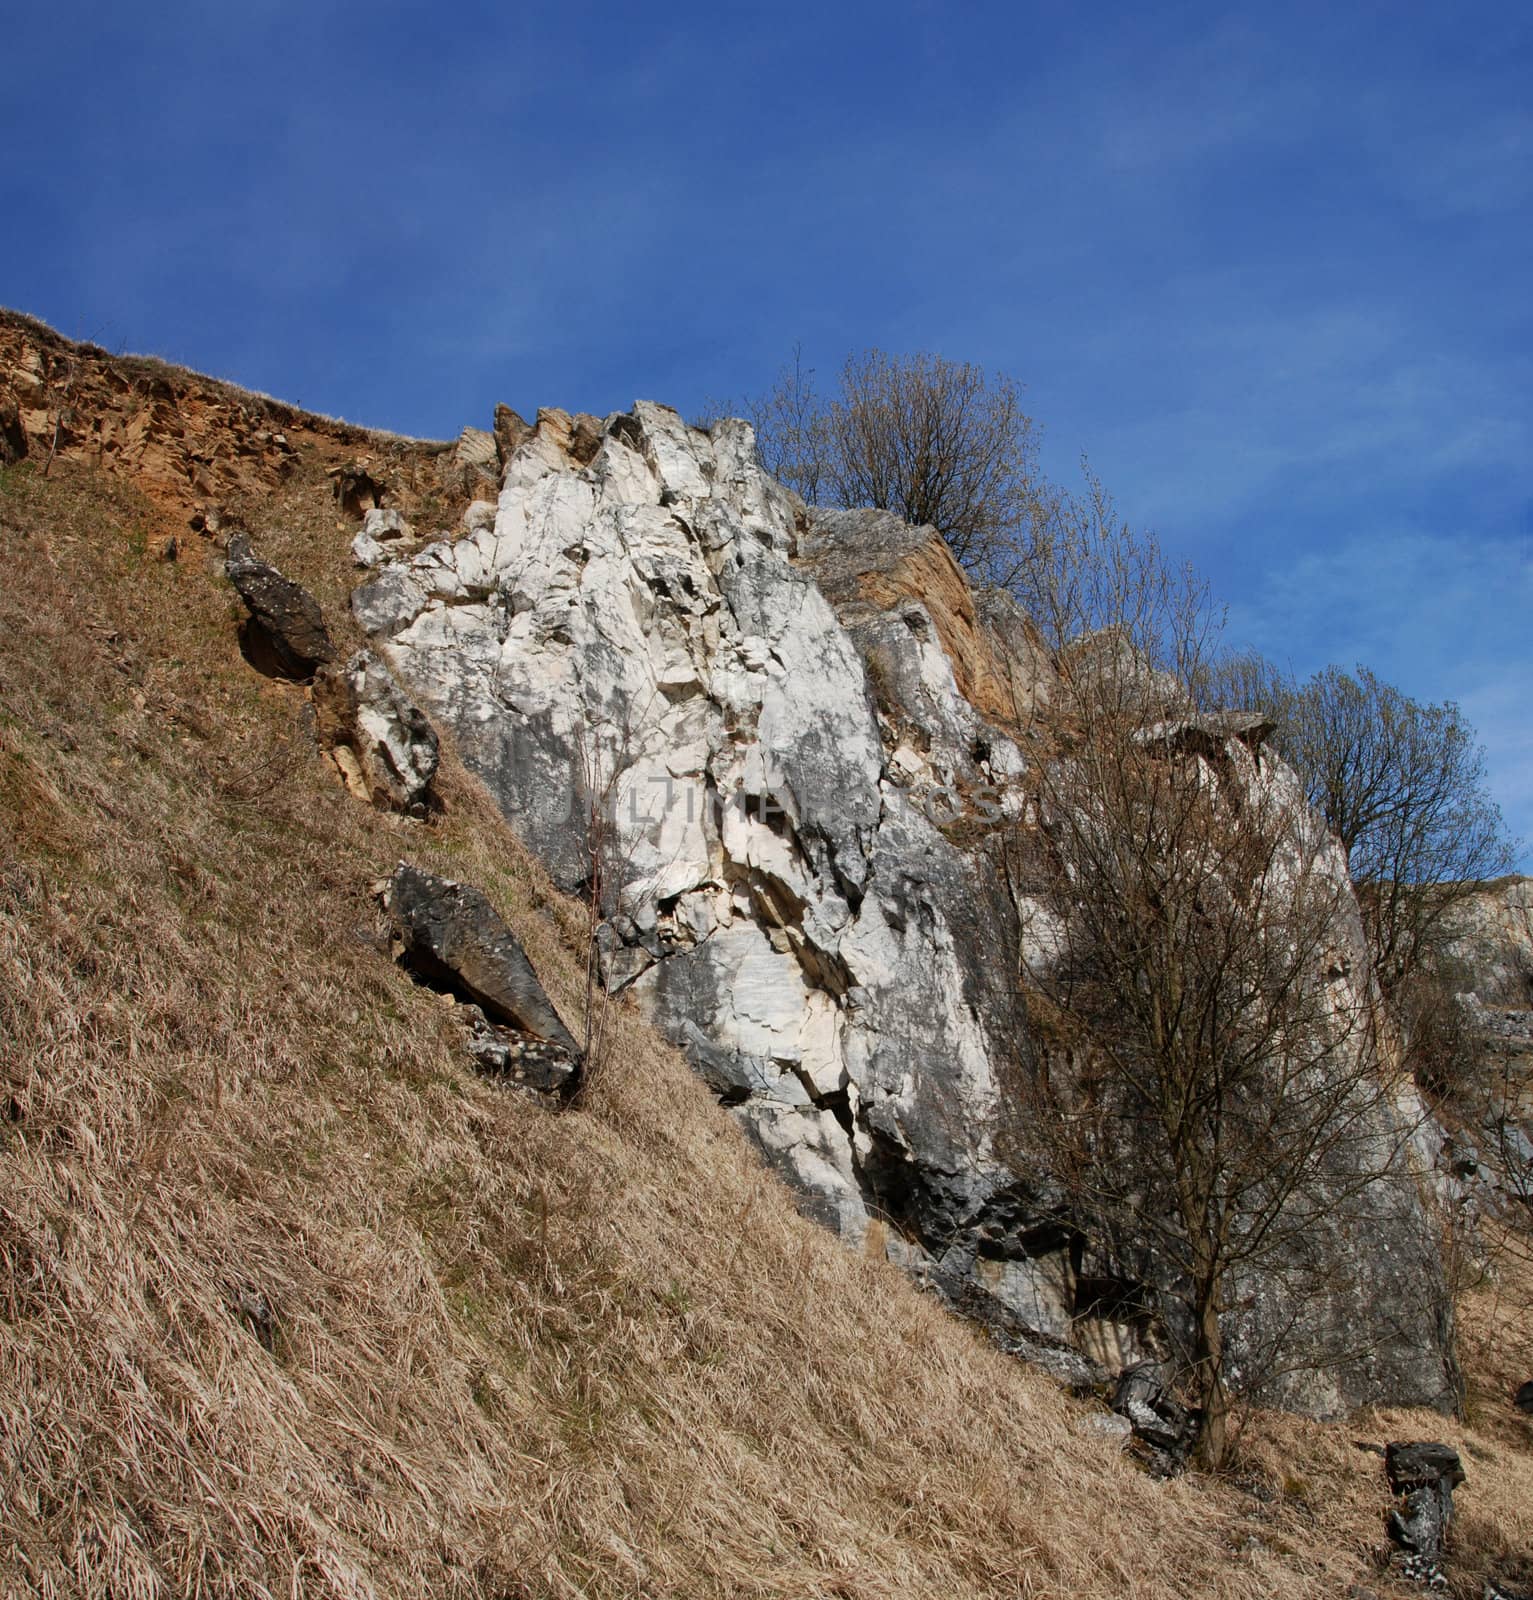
column 511, row 1352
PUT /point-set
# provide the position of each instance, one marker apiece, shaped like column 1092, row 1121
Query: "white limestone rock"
column 380, row 739
column 654, row 632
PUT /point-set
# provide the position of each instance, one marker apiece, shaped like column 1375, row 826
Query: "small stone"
column 1108, row 1426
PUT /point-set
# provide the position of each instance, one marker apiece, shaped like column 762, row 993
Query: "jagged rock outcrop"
column 206, row 454
column 285, row 632
column 795, row 730
column 383, row 743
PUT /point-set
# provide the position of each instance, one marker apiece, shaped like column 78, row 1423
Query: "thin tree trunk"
column 1213, row 1438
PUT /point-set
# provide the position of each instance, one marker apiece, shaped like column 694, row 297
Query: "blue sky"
column 1268, row 266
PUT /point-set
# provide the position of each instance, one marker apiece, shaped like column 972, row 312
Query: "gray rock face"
column 286, row 630
column 380, row 739
column 454, row 938
column 1492, row 939
column 793, row 730
column 1488, row 963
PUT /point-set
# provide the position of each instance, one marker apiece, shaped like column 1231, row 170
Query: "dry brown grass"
column 135, row 365
column 294, row 1303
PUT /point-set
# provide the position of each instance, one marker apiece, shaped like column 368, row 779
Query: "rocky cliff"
column 1487, row 961
column 1491, row 940
column 785, row 737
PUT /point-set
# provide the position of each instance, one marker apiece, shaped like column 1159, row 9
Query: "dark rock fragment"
column 1424, row 1475
column 530, row 1063
column 285, row 635
column 1165, row 1429
column 454, row 938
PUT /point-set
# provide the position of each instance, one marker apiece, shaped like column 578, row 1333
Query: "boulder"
column 381, row 740
column 1423, row 1475
column 285, row 633
column 383, row 533
column 455, row 939
column 387, row 526
column 1523, row 1399
column 478, row 515
column 366, row 551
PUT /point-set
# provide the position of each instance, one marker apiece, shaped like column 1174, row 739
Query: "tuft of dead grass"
column 293, row 1303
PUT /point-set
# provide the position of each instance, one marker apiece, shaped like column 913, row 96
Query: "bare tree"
column 938, row 442
column 792, row 429
column 1248, row 680
column 1202, row 1070
column 1091, row 572
column 1402, row 785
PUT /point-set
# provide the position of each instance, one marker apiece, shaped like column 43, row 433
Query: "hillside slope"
column 294, row 1302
